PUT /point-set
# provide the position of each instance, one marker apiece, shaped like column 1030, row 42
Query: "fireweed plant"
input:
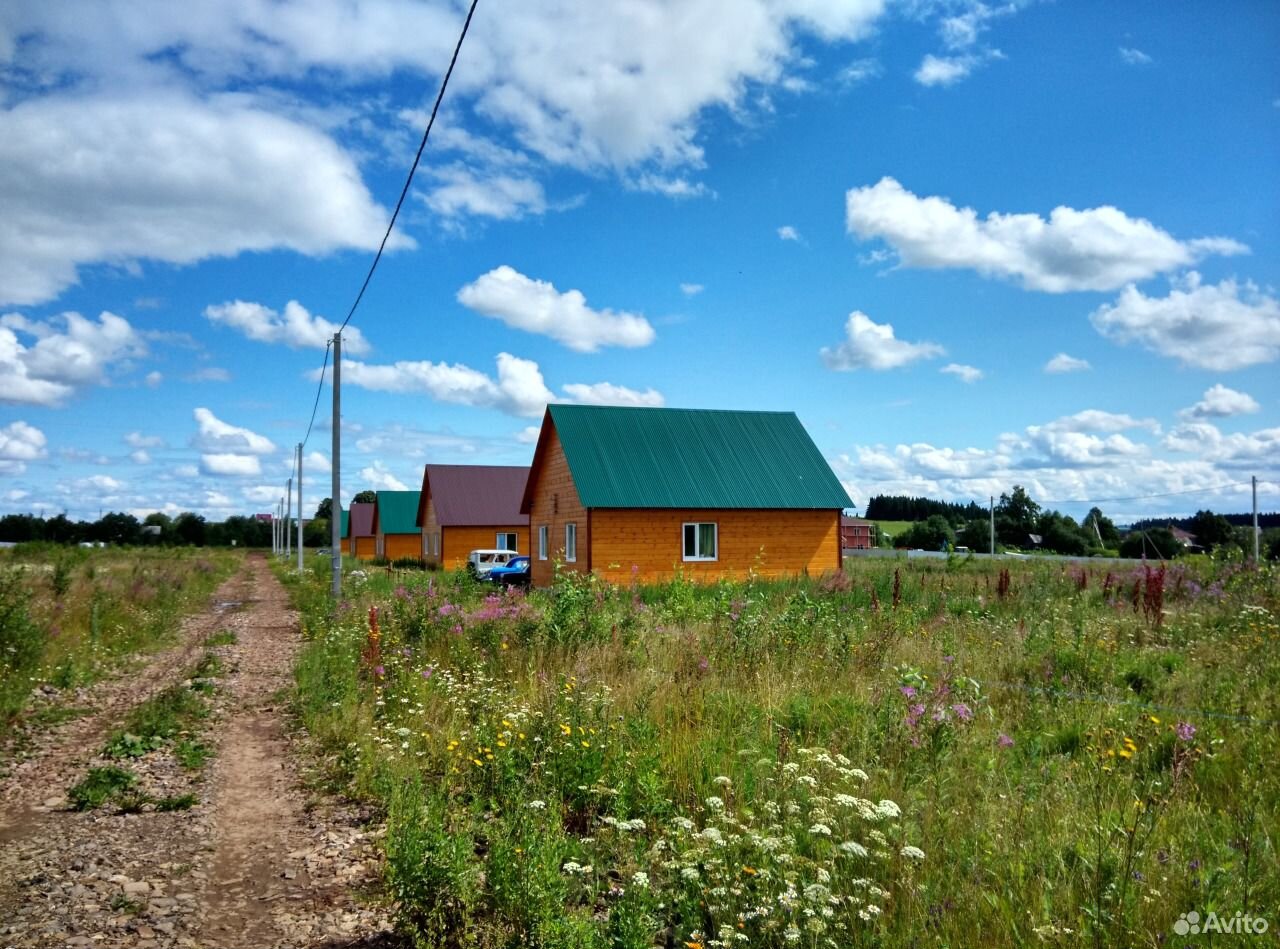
column 948, row 754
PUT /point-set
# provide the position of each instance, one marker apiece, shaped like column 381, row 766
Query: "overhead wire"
column 319, row 388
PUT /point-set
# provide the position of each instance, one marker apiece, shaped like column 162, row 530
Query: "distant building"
column 642, row 495
column 395, row 533
column 358, row 539
column 855, row 533
column 462, row 508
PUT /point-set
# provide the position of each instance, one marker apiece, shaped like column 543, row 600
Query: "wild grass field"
column 68, row 615
column 939, row 754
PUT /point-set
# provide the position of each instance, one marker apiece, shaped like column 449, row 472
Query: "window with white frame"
column 570, row 542
column 506, row 541
column 435, row 544
column 542, row 542
column 701, row 541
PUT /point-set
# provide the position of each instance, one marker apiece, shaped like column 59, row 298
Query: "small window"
column 507, row 541
column 542, row 542
column 700, row 541
column 571, row 543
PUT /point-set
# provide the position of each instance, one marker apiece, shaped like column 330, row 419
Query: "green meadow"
column 949, row 753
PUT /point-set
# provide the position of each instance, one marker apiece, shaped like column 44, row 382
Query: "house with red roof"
column 462, row 508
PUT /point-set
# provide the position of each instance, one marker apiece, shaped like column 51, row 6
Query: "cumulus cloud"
column 788, row 233
column 140, row 457
column 691, row 289
column 459, row 191
column 295, row 327
column 208, row 374
column 138, row 440
column 230, row 464
column 218, row 436
column 378, row 478
column 173, row 178
column 1134, row 56
column 153, row 379
column 20, row 443
column 519, row 388
column 536, row 306
column 944, row 70
column 962, row 372
column 960, row 34
column 872, row 345
column 1221, row 327
column 43, row 362
column 1096, row 249
column 1063, row 363
column 1221, row 402
column 1239, row 449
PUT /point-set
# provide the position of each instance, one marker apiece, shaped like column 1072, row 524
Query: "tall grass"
column 939, row 754
column 69, row 615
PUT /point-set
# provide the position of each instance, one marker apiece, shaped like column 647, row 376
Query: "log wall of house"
column 460, row 541
column 646, row 545
column 555, row 503
column 395, row 546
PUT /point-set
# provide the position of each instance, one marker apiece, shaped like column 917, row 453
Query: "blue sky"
column 971, row 245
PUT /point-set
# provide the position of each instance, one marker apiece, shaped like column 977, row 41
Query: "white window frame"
column 500, row 540
column 571, row 542
column 543, row 531
column 697, row 541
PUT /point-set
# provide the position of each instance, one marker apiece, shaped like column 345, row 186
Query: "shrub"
column 99, row 786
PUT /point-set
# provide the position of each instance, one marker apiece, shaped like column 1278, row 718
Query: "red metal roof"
column 474, row 495
column 361, row 520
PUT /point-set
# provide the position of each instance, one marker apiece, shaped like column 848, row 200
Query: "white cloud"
column 944, row 70
column 1096, row 249
column 459, row 191
column 262, row 493
column 140, row 457
column 535, row 306
column 185, row 472
column 858, row 72
column 788, row 233
column 1221, row 327
column 962, row 372
column 1135, row 57
column 668, row 186
column 1221, row 402
column 138, row 440
column 1096, row 420
column 20, row 443
column 231, row 464
column 691, row 289
column 61, row 354
column 605, row 393
column 871, row 345
column 1063, row 363
column 378, row 478
column 173, row 178
column 208, row 374
column 1238, row 449
column 218, row 436
column 295, row 327
column 153, row 379
column 529, row 434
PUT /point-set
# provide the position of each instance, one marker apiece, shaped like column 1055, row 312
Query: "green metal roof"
column 693, row 458
column 397, row 512
column 345, row 521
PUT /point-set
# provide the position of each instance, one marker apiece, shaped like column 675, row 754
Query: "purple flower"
column 1186, row 731
column 1004, row 741
column 379, row 671
column 704, row 664
column 908, row 690
column 963, row 712
column 426, row 673
column 457, row 630
column 402, row 592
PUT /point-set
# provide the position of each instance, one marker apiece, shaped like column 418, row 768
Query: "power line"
column 319, row 389
column 1143, row 497
column 416, row 158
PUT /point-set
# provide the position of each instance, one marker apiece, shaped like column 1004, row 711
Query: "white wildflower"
column 821, row 830
column 912, row 853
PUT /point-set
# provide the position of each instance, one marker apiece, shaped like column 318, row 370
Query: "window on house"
column 701, row 541
column 570, row 543
column 542, row 542
column 506, row 541
column 435, row 544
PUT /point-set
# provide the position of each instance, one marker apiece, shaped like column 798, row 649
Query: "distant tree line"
column 884, row 507
column 1021, row 524
column 125, row 530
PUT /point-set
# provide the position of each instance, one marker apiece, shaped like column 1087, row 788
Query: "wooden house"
column 646, row 494
column 855, row 534
column 358, row 539
column 462, row 508
column 394, row 531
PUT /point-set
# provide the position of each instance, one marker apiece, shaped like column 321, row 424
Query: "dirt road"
column 255, row 863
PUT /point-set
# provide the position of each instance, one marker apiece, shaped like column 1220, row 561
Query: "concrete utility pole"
column 992, row 548
column 1256, row 561
column 335, row 495
column 284, row 529
column 288, row 509
column 273, row 533
column 299, row 507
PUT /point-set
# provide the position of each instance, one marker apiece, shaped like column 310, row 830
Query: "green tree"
column 1154, row 543
column 934, row 533
column 976, row 535
column 1097, row 524
column 117, row 528
column 1211, row 530
column 316, row 533
column 324, row 510
column 190, row 529
column 365, row 497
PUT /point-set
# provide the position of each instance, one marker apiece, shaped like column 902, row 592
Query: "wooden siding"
column 554, row 502
column 458, row 542
column 364, row 548
column 395, row 546
column 430, row 526
column 646, row 545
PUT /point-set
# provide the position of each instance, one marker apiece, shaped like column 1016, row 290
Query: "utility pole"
column 284, row 528
column 288, row 509
column 299, row 507
column 1256, row 561
column 273, row 533
column 335, row 495
column 992, row 548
